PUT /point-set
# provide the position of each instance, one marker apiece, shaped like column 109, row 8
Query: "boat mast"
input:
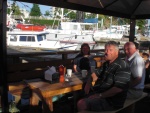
column 62, row 14
column 97, row 22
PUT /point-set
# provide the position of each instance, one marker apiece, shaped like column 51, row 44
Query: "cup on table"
column 84, row 73
column 92, row 69
column 69, row 72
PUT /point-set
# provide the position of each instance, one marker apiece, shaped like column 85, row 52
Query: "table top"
column 47, row 89
column 16, row 88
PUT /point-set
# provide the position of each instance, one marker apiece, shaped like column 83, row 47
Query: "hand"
column 95, row 96
column 94, row 77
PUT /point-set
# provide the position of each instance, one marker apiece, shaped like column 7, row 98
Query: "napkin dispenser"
column 55, row 77
column 51, row 74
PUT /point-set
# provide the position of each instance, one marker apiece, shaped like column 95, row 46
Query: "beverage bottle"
column 62, row 79
column 61, row 72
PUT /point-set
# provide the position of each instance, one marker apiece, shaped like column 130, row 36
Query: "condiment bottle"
column 61, row 79
column 61, row 72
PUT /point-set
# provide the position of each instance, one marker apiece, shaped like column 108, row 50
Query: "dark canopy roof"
column 131, row 9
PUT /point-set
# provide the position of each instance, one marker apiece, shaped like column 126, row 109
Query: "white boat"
column 73, row 34
column 70, row 36
column 115, row 32
column 30, row 39
column 111, row 33
column 77, row 28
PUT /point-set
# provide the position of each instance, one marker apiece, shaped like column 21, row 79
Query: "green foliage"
column 66, row 11
column 47, row 13
column 72, row 15
column 69, row 14
column 43, row 22
column 140, row 23
column 100, row 16
column 8, row 10
column 17, row 11
column 35, row 10
column 15, row 8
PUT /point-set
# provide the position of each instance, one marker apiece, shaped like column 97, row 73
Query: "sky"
column 28, row 6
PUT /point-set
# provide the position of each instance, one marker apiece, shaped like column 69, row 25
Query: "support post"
column 3, row 55
column 64, row 56
column 132, row 30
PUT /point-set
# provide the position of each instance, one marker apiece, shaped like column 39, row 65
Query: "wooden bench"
column 17, row 73
column 128, row 106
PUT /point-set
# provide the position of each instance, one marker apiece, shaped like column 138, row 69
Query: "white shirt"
column 137, row 67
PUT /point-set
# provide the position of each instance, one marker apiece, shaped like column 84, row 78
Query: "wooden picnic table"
column 45, row 91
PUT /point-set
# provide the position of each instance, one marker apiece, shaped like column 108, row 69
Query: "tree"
column 141, row 24
column 47, row 13
column 71, row 14
column 35, row 10
column 67, row 13
column 15, row 8
column 17, row 11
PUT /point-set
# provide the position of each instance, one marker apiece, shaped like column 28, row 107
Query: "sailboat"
column 72, row 33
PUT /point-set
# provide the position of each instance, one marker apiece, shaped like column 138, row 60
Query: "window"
column 13, row 38
column 40, row 37
column 74, row 27
column 23, row 38
column 31, row 39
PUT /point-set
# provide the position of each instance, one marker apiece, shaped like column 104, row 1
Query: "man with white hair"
column 112, row 81
column 137, row 67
